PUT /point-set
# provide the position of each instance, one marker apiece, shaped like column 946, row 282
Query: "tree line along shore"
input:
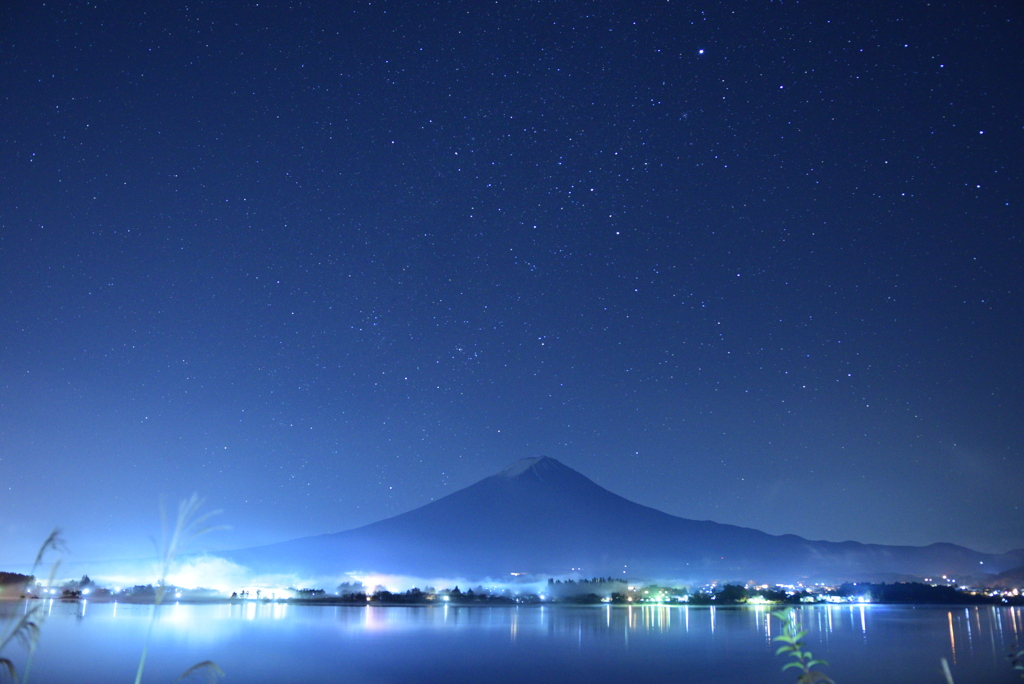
column 593, row 591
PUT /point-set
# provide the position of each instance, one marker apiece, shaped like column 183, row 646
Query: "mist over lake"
column 91, row 642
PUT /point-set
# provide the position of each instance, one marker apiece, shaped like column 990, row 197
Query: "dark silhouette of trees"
column 351, row 589
column 15, row 578
column 731, row 593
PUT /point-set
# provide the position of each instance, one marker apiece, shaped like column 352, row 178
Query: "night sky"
column 753, row 262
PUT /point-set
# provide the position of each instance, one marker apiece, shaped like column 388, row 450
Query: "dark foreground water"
column 91, row 642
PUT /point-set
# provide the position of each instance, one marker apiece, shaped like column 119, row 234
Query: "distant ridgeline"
column 540, row 518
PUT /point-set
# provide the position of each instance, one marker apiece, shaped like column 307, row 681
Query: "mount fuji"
column 541, row 517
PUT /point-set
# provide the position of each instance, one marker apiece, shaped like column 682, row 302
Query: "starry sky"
column 753, row 262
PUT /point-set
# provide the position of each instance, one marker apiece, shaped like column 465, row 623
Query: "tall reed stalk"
column 188, row 525
column 27, row 628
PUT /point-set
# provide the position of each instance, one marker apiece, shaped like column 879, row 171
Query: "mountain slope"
column 539, row 516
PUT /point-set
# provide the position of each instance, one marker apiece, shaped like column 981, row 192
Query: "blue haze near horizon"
column 751, row 262
column 93, row 643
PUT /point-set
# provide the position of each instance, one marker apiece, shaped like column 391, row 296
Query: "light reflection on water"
column 255, row 641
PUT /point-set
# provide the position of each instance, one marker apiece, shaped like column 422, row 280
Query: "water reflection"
column 993, row 624
column 952, row 638
column 602, row 639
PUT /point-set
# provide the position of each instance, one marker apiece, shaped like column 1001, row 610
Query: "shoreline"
column 500, row 603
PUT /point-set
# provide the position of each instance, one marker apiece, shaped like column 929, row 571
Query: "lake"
column 91, row 642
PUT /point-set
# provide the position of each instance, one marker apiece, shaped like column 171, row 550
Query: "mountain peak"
column 535, row 464
column 543, row 517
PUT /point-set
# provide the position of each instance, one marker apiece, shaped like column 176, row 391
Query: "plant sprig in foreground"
column 792, row 645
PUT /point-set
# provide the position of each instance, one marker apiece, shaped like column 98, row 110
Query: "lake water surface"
column 265, row 642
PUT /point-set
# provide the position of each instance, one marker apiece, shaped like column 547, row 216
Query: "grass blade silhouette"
column 188, row 525
column 27, row 629
column 207, row 669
